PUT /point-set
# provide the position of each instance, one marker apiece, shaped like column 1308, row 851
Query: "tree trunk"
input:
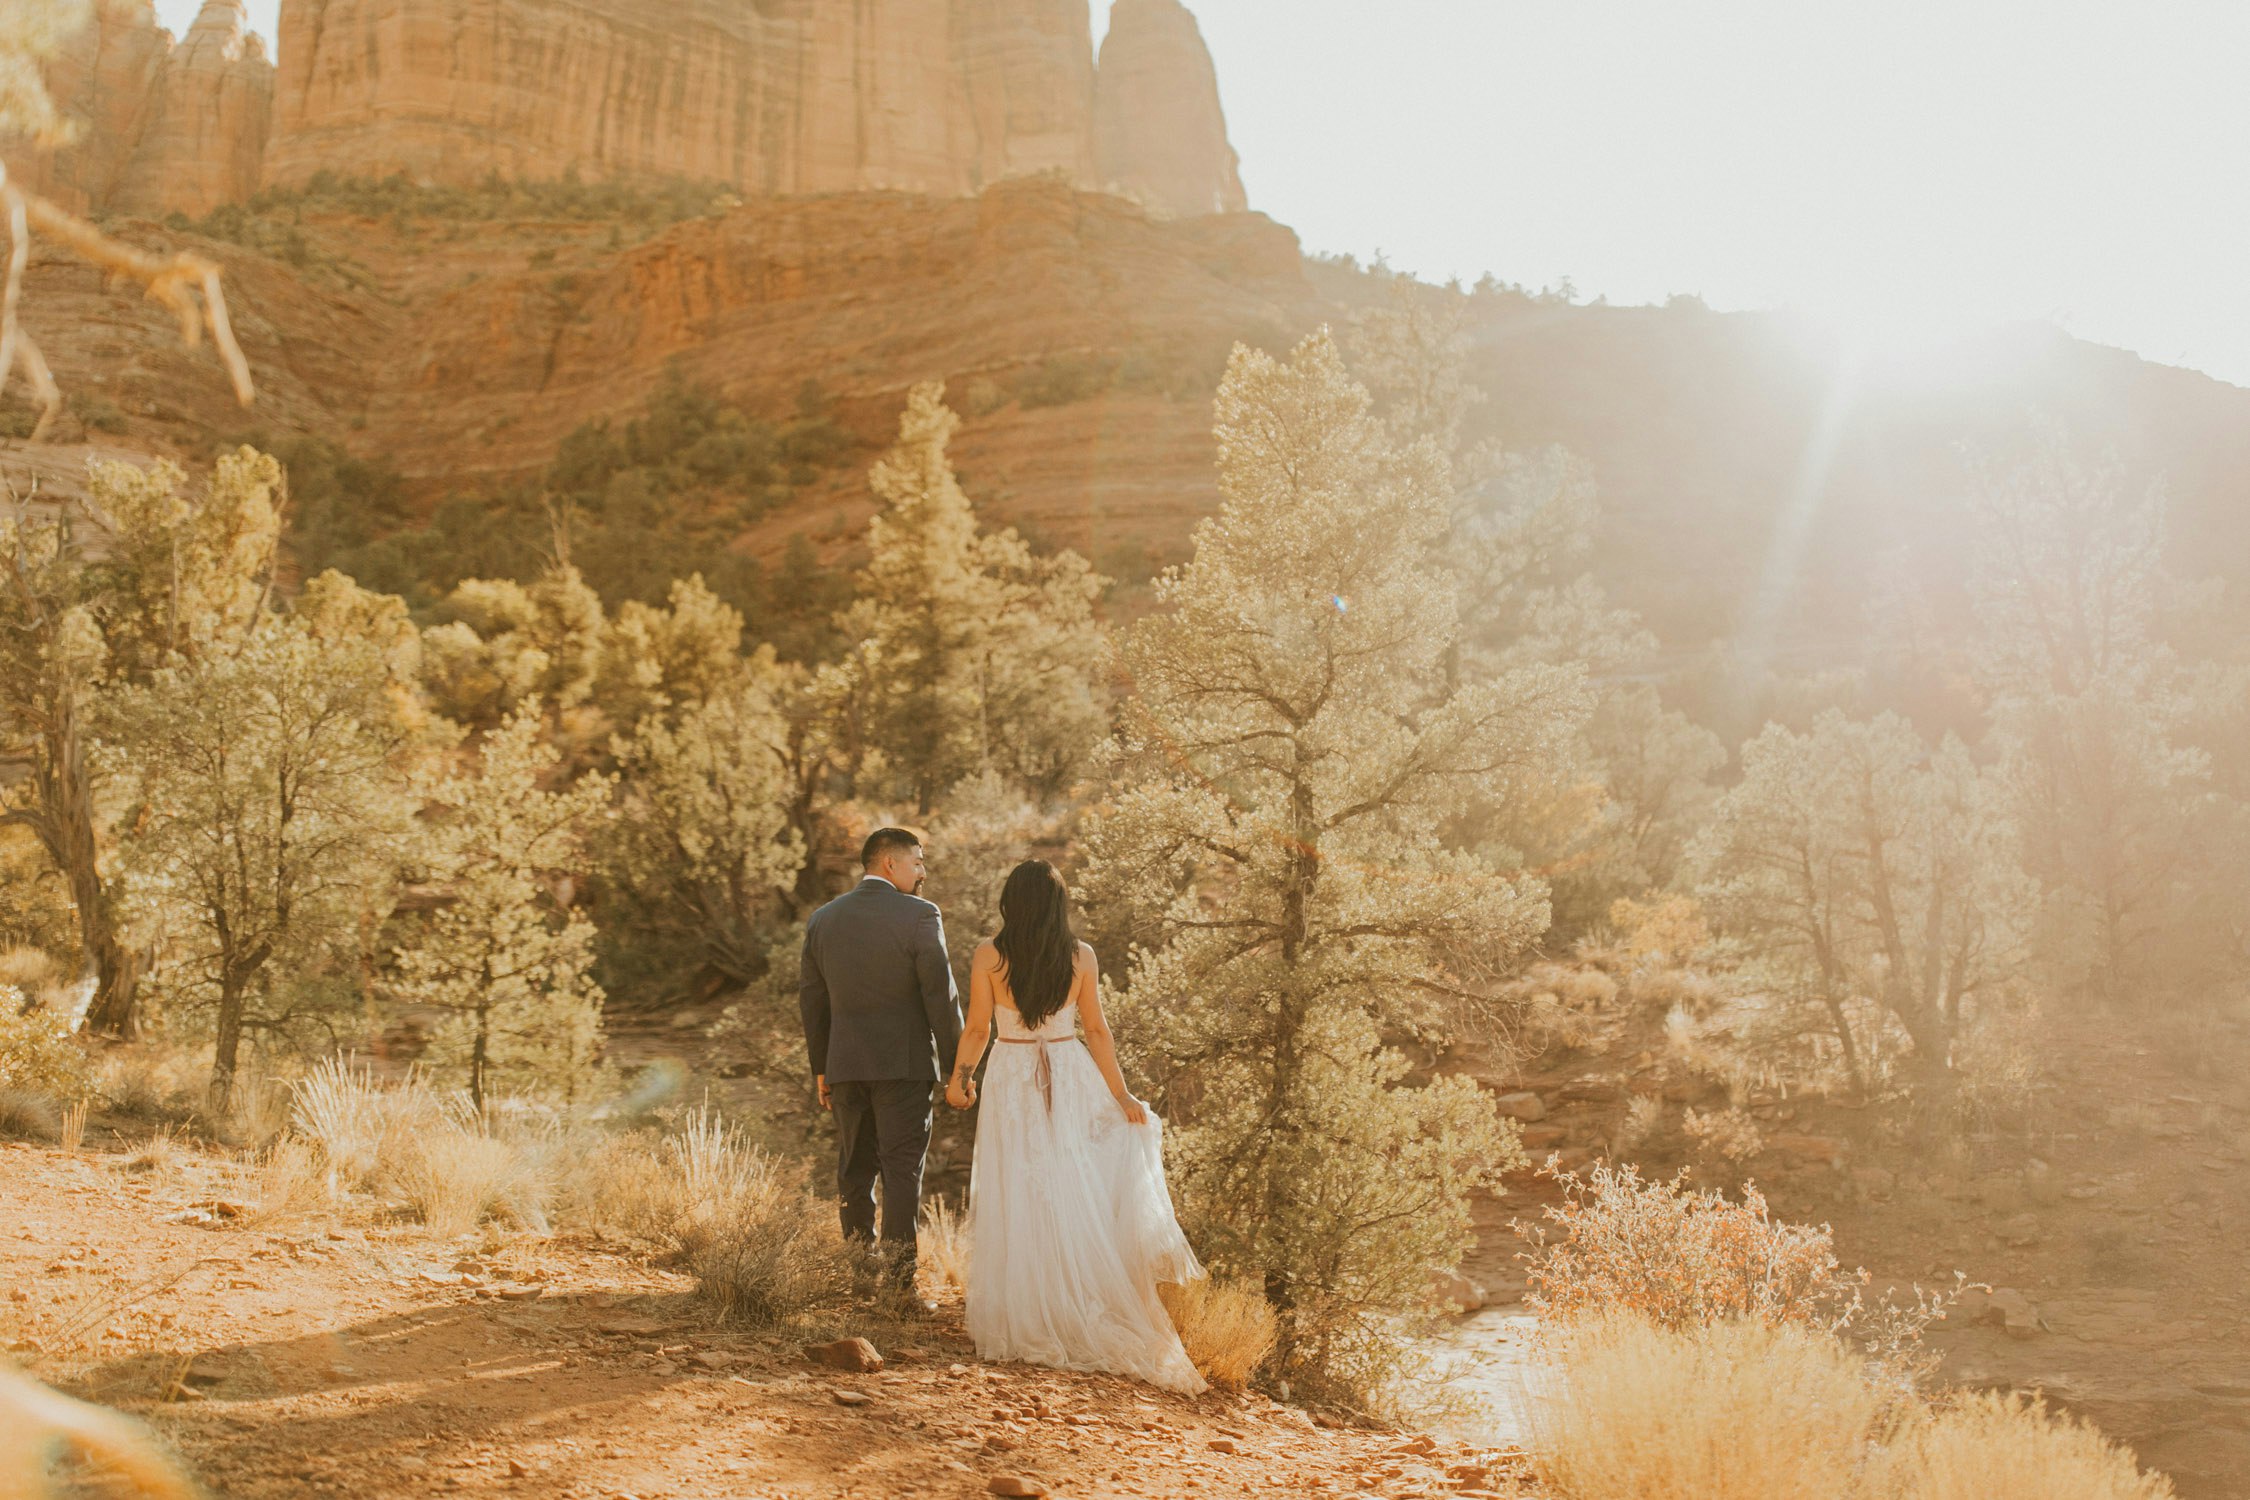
column 232, row 994
column 479, row 1053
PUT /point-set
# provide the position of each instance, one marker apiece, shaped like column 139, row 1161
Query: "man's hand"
column 961, row 1092
column 820, row 1086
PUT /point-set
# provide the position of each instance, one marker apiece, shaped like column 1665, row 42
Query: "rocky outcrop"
column 205, row 138
column 942, row 97
column 1159, row 132
column 105, row 80
column 775, row 96
column 162, row 127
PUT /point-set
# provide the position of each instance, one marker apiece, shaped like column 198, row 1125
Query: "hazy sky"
column 1901, row 166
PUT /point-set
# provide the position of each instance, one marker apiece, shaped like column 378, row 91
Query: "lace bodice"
column 1059, row 1027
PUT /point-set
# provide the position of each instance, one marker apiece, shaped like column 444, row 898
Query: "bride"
column 1070, row 1222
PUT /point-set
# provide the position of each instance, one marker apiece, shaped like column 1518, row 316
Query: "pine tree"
column 977, row 653
column 499, row 951
column 1295, row 748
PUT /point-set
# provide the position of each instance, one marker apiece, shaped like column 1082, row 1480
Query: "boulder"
column 1525, row 1106
column 1456, row 1289
column 855, row 1355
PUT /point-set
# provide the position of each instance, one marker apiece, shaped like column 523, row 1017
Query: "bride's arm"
column 1098, row 1040
column 976, row 1031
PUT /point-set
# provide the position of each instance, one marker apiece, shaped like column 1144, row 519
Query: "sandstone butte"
column 939, row 97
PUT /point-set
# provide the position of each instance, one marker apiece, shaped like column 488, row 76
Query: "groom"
column 877, row 999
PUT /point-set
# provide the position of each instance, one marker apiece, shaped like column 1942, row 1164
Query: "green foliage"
column 269, row 817
column 497, row 949
column 975, row 652
column 702, row 855
column 503, row 644
column 37, row 1052
column 1295, row 752
column 623, row 504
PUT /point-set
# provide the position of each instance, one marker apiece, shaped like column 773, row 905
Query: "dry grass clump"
column 71, row 1134
column 942, row 1244
column 290, row 1179
column 1227, row 1328
column 1980, row 1446
column 455, row 1172
column 27, row 1115
column 1729, row 1411
column 761, row 1250
column 454, row 1168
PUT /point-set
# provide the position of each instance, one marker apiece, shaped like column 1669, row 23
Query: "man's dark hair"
column 882, row 841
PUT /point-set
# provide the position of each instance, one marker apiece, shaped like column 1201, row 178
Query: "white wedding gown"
column 1070, row 1222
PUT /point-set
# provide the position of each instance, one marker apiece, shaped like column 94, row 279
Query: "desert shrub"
column 1737, row 1410
column 1683, row 1259
column 33, row 972
column 37, row 1051
column 1666, row 989
column 1227, row 1328
column 1644, row 1116
column 27, row 1115
column 762, row 1250
column 1721, row 1141
column 1660, row 931
column 1994, row 1443
column 144, row 1083
column 1560, row 1005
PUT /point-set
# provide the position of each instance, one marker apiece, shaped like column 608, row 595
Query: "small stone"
column 855, row 1355
column 852, row 1398
column 1225, row 1445
column 716, row 1359
column 1017, row 1485
column 518, row 1469
column 1525, row 1106
column 521, row 1293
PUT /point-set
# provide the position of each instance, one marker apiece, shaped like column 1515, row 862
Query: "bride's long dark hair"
column 1038, row 951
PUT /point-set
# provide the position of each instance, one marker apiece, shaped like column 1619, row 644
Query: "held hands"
column 961, row 1092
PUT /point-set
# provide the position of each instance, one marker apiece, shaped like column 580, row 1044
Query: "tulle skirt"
column 1071, row 1224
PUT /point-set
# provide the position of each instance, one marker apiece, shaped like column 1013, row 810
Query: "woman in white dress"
column 1070, row 1222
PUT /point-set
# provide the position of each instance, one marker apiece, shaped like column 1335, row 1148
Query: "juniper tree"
column 1295, row 747
column 268, row 814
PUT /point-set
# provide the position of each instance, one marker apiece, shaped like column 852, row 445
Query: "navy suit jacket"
column 876, row 992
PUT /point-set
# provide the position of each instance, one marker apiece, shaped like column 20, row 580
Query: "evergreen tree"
column 977, row 653
column 500, row 950
column 268, row 818
column 1294, row 751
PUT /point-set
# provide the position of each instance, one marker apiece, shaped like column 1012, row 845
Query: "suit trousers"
column 882, row 1130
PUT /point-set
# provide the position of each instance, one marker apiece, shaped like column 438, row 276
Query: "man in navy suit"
column 880, row 1010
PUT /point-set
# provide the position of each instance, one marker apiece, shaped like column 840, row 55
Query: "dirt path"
column 330, row 1357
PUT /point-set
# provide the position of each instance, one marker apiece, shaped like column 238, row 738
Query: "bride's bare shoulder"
column 1086, row 958
column 986, row 955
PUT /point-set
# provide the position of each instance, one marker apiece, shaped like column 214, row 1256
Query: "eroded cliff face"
column 776, row 96
column 943, row 97
column 1159, row 132
column 163, row 126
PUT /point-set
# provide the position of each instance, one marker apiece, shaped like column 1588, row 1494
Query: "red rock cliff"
column 162, row 126
column 777, row 96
